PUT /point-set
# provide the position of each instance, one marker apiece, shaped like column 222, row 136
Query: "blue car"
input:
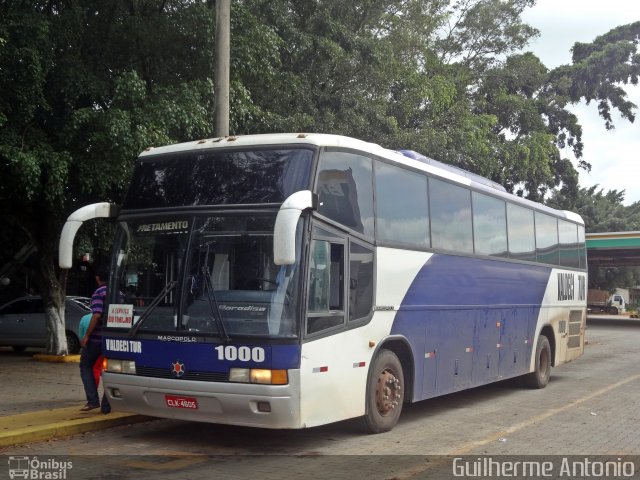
column 23, row 322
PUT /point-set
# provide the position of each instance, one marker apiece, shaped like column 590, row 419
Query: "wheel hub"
column 388, row 392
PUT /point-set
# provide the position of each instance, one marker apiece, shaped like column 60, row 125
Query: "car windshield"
column 206, row 275
column 82, row 302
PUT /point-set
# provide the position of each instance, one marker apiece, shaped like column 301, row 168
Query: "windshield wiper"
column 154, row 303
column 213, row 304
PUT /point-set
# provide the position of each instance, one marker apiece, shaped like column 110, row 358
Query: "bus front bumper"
column 252, row 405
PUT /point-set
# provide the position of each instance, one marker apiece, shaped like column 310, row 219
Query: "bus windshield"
column 206, row 276
column 237, row 177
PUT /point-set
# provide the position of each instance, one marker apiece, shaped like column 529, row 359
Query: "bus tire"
column 539, row 378
column 385, row 393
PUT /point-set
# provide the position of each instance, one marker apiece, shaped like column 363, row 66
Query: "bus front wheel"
column 540, row 376
column 385, row 393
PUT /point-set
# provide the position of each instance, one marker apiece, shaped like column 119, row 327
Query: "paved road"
column 590, row 407
column 27, row 385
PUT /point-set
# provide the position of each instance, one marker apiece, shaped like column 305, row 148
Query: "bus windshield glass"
column 210, row 177
column 206, row 276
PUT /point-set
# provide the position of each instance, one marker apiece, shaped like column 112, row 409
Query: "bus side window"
column 326, row 286
column 345, row 190
column 547, row 249
column 360, row 281
column 318, row 277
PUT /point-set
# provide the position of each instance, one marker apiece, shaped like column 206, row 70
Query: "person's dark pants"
column 88, row 357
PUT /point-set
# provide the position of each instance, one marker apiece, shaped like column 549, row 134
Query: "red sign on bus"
column 175, row 401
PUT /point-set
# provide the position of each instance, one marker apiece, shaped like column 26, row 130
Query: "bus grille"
column 189, row 375
column 575, row 328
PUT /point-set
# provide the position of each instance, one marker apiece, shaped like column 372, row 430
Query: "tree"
column 478, row 33
column 601, row 212
column 86, row 86
column 89, row 84
column 445, row 78
column 397, row 73
column 604, row 212
column 599, row 69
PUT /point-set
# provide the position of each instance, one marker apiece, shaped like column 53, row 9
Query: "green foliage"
column 478, row 33
column 86, row 87
column 440, row 77
column 89, row 84
column 610, row 278
column 604, row 212
column 598, row 71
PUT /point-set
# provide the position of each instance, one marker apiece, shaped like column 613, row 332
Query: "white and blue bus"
column 293, row 280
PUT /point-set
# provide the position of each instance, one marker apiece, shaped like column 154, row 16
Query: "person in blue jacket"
column 82, row 330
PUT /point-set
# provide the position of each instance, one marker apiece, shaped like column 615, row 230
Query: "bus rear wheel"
column 539, row 378
column 385, row 393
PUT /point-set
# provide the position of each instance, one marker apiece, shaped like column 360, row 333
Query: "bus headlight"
column 258, row 375
column 113, row 365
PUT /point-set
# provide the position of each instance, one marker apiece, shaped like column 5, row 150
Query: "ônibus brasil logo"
column 32, row 467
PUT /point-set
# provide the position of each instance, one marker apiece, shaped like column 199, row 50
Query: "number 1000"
column 232, row 353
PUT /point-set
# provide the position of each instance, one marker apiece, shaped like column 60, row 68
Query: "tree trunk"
column 53, row 294
column 57, row 338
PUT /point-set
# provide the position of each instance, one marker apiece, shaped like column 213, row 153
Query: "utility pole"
column 222, row 60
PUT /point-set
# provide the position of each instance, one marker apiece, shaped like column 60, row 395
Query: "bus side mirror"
column 284, row 233
column 74, row 222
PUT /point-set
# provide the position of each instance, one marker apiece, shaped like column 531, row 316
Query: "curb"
column 44, row 357
column 60, row 422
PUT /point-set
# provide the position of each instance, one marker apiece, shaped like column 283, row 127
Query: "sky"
column 613, row 154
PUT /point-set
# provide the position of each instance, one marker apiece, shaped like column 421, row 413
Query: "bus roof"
column 316, row 139
column 406, row 157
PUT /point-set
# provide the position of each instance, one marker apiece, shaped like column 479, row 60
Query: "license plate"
column 174, row 401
